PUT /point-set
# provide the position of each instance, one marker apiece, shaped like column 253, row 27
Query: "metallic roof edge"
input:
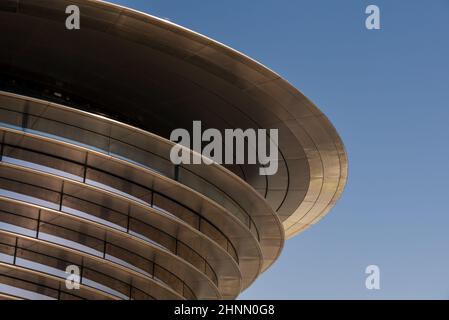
column 342, row 158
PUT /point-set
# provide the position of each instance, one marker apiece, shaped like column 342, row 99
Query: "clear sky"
column 387, row 93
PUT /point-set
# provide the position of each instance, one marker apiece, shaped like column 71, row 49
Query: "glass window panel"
column 130, row 258
column 211, row 274
column 153, row 234
column 18, row 220
column 10, row 118
column 61, row 130
column 106, row 281
column 191, row 256
column 188, row 293
column 137, row 294
column 27, row 289
column 118, row 185
column 71, row 235
column 171, row 280
column 91, row 211
column 232, row 251
column 142, row 157
column 21, row 191
column 213, row 233
column 176, row 209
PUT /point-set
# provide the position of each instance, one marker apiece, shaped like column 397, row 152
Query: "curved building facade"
column 86, row 180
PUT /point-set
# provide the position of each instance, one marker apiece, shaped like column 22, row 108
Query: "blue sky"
column 387, row 93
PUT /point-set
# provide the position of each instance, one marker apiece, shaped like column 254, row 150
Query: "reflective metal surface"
column 40, row 127
column 99, row 184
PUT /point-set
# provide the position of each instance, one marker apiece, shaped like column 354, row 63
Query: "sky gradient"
column 387, row 92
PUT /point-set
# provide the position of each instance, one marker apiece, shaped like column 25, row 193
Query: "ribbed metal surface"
column 59, row 184
column 80, row 188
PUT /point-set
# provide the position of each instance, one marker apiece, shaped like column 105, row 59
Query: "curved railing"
column 52, row 164
column 44, row 162
column 109, row 188
column 119, row 141
column 74, row 205
column 89, row 244
column 51, row 260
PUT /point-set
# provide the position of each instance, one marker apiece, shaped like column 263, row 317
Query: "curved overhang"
column 56, row 133
column 168, row 77
column 264, row 239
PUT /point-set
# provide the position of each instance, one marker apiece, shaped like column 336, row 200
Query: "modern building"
column 86, row 182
